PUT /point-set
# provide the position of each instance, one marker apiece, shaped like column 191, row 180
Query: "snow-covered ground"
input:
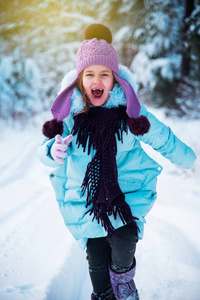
column 39, row 259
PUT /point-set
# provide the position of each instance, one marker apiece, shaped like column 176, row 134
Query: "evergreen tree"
column 127, row 19
column 192, row 40
column 19, row 87
column 157, row 64
column 186, row 57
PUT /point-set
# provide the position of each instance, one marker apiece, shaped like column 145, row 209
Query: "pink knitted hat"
column 97, row 51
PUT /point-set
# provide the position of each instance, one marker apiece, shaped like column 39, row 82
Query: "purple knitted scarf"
column 97, row 129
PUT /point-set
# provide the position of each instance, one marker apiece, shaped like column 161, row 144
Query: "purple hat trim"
column 61, row 106
column 133, row 104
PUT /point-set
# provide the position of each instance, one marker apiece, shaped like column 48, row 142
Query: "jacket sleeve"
column 163, row 140
column 43, row 152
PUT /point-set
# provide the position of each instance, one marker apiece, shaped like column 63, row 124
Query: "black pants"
column 120, row 254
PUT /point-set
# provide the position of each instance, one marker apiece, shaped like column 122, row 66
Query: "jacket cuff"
column 44, row 155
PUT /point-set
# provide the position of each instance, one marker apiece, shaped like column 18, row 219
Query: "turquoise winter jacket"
column 137, row 172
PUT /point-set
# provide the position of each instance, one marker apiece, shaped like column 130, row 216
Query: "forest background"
column 158, row 40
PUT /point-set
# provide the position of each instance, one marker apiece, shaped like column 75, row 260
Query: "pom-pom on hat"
column 98, row 31
column 96, row 49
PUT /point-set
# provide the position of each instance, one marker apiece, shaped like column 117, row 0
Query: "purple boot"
column 123, row 285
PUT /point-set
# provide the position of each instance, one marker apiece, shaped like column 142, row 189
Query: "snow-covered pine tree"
column 157, row 64
column 192, row 40
column 188, row 87
column 19, row 87
column 124, row 19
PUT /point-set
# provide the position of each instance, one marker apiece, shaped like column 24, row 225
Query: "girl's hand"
column 59, row 148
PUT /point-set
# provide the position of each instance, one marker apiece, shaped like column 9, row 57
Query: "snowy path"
column 39, row 259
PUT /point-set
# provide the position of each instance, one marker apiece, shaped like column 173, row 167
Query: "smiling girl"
column 97, row 83
column 105, row 184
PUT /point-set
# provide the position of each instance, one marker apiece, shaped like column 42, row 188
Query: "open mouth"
column 97, row 93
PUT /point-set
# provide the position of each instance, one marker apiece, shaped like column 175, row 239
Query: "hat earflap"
column 52, row 127
column 139, row 126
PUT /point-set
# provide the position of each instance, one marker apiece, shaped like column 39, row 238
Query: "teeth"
column 97, row 93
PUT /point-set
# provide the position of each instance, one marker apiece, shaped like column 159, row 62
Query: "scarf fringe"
column 123, row 212
column 126, row 216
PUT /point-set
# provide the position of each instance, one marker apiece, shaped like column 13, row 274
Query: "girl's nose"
column 97, row 79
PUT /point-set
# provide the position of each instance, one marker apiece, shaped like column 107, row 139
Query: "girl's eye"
column 104, row 74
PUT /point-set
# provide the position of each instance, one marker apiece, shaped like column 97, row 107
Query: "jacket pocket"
column 58, row 184
column 129, row 185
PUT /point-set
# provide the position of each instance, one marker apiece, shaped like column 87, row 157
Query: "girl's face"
column 97, row 82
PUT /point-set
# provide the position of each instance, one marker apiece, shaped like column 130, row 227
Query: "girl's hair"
column 82, row 90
